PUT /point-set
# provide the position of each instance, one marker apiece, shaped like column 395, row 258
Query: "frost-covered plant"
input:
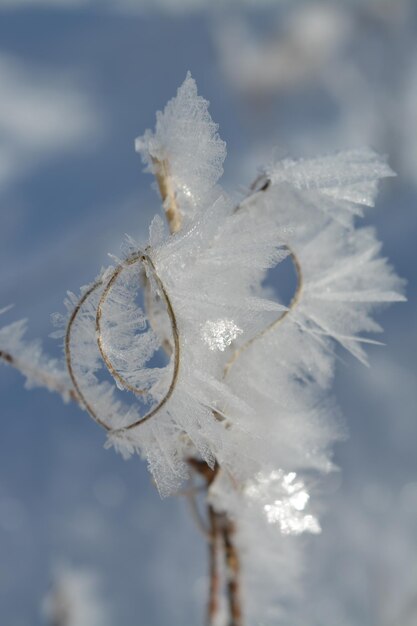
column 241, row 404
column 74, row 599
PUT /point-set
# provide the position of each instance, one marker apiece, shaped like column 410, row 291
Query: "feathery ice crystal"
column 245, row 385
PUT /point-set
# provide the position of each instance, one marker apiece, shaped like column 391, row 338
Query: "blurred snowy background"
column 79, row 80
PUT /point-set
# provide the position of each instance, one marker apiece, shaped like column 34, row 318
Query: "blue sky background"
column 77, row 85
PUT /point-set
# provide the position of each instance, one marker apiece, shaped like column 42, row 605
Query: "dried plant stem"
column 43, row 378
column 220, row 539
column 227, row 527
column 168, row 195
column 195, row 512
column 213, row 548
column 174, row 219
column 143, row 258
column 219, row 526
column 68, row 354
column 146, row 260
column 294, row 301
column 213, row 536
column 150, row 312
column 232, row 572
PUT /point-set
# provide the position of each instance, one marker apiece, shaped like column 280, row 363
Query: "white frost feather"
column 186, row 138
column 29, row 359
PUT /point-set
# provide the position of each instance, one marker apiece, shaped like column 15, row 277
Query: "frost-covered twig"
column 243, row 400
column 219, row 542
column 149, row 266
column 29, row 360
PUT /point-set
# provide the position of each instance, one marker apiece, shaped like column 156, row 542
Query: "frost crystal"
column 28, row 357
column 283, row 501
column 220, row 334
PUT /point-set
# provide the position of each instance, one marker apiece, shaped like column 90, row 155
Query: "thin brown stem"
column 168, row 195
column 221, row 528
column 140, row 257
column 213, row 549
column 213, row 535
column 68, row 354
column 202, row 469
column 232, row 573
column 260, row 185
column 195, row 512
column 150, row 300
column 145, row 259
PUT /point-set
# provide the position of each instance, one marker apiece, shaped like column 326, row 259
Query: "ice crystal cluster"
column 211, row 365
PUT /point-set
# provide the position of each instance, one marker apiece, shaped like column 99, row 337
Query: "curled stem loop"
column 145, row 260
column 294, row 301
